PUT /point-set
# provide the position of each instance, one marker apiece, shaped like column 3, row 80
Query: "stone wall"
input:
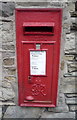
column 70, row 58
column 67, row 95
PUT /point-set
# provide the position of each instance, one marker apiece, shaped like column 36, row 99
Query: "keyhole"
column 29, row 79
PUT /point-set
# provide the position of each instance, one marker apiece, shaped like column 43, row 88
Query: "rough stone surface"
column 58, row 115
column 9, row 70
column 7, row 9
column 71, row 101
column 60, row 109
column 8, row 37
column 70, row 88
column 7, row 94
column 7, row 26
column 7, row 103
column 0, row 112
column 1, row 92
column 67, row 85
column 10, row 79
column 7, row 54
column 73, row 108
column 40, row 3
column 8, row 61
column 69, row 95
column 23, row 112
column 70, row 43
column 61, row 99
column 8, row 47
column 69, row 57
column 71, row 7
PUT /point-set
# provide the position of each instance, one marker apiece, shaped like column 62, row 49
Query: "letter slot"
column 38, row 28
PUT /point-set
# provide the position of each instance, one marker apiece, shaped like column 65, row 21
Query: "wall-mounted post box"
column 38, row 33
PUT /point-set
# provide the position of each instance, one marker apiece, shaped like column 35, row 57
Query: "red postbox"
column 38, row 33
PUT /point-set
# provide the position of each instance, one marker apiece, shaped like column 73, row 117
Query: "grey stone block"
column 59, row 109
column 32, row 3
column 8, row 47
column 40, row 3
column 0, row 93
column 71, row 101
column 74, row 14
column 7, row 36
column 8, row 54
column 22, row 112
column 0, row 112
column 70, row 43
column 70, row 88
column 73, row 108
column 7, row 26
column 6, row 84
column 69, row 57
column 8, row 61
column 9, row 71
column 7, row 94
column 58, row 115
column 71, row 6
column 7, row 8
column 7, row 103
column 70, row 95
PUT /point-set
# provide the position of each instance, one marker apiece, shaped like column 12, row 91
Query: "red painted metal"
column 38, row 26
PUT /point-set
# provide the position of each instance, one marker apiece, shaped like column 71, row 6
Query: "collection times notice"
column 37, row 62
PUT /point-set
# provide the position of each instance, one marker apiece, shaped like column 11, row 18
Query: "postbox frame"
column 19, row 61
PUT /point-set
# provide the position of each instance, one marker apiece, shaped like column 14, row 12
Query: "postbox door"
column 37, row 75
